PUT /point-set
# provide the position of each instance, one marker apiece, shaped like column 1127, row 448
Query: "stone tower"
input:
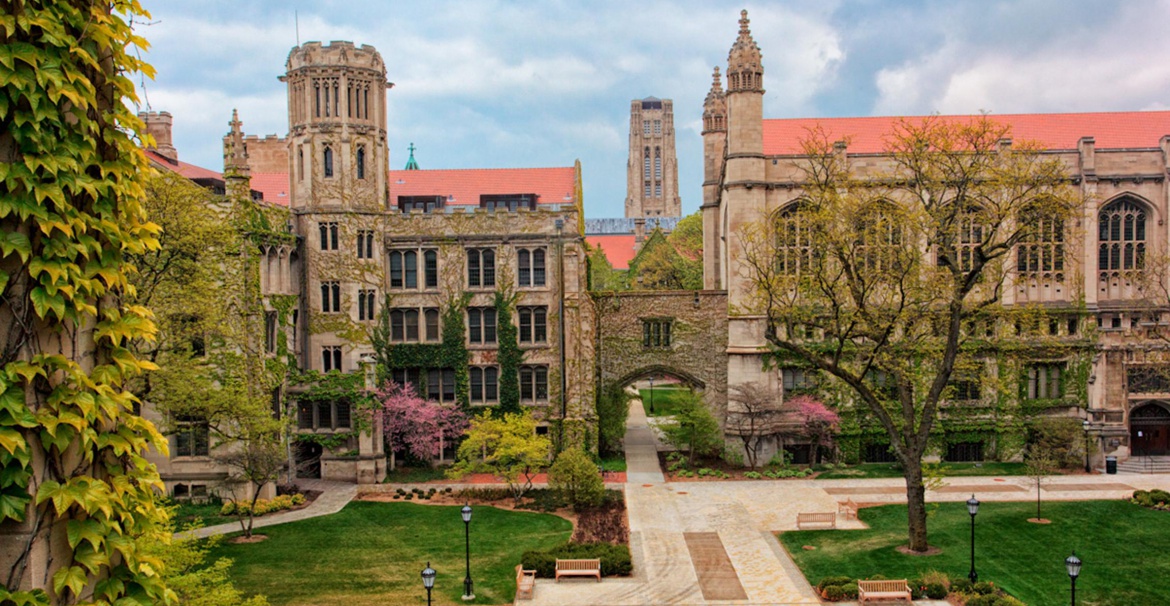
column 714, row 145
column 652, row 171
column 744, row 176
column 237, row 173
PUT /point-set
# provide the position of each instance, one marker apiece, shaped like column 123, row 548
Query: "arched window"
column 361, row 162
column 1041, row 250
column 793, row 240
column 646, row 165
column 961, row 243
column 657, row 164
column 879, row 238
column 328, row 161
column 1121, row 236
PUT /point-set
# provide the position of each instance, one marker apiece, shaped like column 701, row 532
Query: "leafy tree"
column 1038, row 465
column 817, row 421
column 659, row 266
column 253, row 462
column 76, row 491
column 195, row 581
column 693, row 429
column 505, row 446
column 613, row 409
column 753, row 414
column 845, row 287
column 577, row 479
column 602, row 275
column 414, row 425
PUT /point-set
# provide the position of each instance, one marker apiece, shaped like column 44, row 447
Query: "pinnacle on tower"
column 745, row 72
column 715, row 105
column 237, row 172
column 411, row 164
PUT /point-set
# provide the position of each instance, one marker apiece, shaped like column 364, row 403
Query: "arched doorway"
column 1149, row 429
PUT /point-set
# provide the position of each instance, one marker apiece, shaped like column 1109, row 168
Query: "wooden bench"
column 525, row 582
column 579, row 568
column 847, row 509
column 816, row 519
column 883, row 590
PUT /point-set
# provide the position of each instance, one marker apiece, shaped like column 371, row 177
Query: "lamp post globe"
column 1073, row 564
column 468, row 593
column 973, row 509
column 428, row 577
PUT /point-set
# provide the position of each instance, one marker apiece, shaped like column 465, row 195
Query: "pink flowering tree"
column 414, row 425
column 817, row 421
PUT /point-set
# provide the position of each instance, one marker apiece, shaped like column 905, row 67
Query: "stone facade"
column 747, row 180
column 652, row 170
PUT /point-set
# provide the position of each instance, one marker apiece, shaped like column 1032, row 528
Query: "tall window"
column 646, row 164
column 431, row 317
column 328, row 235
column 270, row 330
column 192, row 437
column 365, row 244
column 533, row 383
column 330, row 297
column 879, row 239
column 533, row 324
column 481, row 325
column 656, row 333
column 645, row 127
column 323, row 414
column 484, row 384
column 331, row 358
column 300, row 165
column 361, row 162
column 1043, row 250
column 404, row 325
column 1122, row 236
column 328, row 161
column 793, row 241
column 430, row 269
column 481, row 267
column 796, row 379
column 441, row 385
column 366, row 304
column 403, row 269
column 657, row 164
column 658, row 127
column 1044, row 381
column 964, row 243
column 530, row 266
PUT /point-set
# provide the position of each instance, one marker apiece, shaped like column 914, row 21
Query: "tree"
column 1039, row 464
column 414, row 425
column 693, row 428
column 76, row 491
column 505, row 446
column 817, row 422
column 753, row 415
column 602, row 275
column 577, row 479
column 843, row 282
column 659, row 266
column 255, row 461
column 613, row 409
column 195, row 581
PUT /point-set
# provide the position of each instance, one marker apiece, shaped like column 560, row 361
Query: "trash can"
column 1111, row 465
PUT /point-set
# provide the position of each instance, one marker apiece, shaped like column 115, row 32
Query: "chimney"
column 158, row 126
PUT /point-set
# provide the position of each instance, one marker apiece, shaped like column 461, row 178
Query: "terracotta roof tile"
column 1110, row 130
column 619, row 249
column 274, row 186
column 552, row 185
column 181, row 168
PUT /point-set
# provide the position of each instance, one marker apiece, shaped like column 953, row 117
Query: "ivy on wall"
column 509, row 355
column 451, row 352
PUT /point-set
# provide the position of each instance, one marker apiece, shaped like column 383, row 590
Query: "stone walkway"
column 334, row 496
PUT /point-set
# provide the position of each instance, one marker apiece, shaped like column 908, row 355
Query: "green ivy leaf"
column 73, row 578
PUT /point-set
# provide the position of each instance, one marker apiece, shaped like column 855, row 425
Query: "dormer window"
column 507, row 202
column 426, row 204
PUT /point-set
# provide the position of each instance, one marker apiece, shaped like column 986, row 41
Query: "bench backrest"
column 816, row 517
column 579, row 564
column 880, row 586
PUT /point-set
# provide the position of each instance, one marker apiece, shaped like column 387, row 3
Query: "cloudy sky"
column 525, row 84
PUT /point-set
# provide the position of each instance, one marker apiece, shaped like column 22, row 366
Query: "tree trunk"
column 916, row 507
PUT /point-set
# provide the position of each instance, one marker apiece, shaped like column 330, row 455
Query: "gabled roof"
column 618, row 249
column 551, row 185
column 1110, row 130
column 181, row 168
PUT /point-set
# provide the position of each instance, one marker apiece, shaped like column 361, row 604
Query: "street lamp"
column 651, row 396
column 466, row 512
column 428, row 575
column 973, row 508
column 1088, row 469
column 1073, row 564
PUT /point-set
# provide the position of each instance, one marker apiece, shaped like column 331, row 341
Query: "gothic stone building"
column 1119, row 160
column 422, row 242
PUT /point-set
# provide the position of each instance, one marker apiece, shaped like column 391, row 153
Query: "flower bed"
column 262, row 506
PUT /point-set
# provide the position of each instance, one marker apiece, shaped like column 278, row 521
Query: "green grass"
column 892, row 470
column 1117, row 541
column 372, row 553
column 415, row 475
column 666, row 400
column 617, row 463
column 200, row 514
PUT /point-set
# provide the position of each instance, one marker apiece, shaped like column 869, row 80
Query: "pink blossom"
column 415, row 425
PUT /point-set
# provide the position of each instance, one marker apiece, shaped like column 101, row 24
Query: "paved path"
column 334, row 496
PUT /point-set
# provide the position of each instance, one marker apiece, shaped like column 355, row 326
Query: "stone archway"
column 1149, row 429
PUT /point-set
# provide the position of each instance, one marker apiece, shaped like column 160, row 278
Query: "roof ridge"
column 989, row 115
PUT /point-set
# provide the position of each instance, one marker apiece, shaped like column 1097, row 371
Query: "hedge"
column 615, row 559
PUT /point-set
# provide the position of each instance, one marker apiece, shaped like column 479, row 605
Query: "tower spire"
column 237, row 173
column 745, row 72
column 715, row 105
column 411, row 164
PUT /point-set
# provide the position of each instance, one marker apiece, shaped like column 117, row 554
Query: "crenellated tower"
column 714, row 146
column 652, row 169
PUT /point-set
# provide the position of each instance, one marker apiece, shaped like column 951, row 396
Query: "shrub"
column 1158, row 495
column 849, row 591
column 290, row 489
column 982, row 600
column 936, row 591
column 576, row 478
column 615, row 559
column 984, row 588
column 827, row 581
column 834, row 593
column 752, row 475
column 934, row 576
column 961, row 585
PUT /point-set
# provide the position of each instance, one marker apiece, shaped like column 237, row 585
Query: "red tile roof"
column 1112, row 130
column 551, row 185
column 181, row 168
column 619, row 249
column 274, row 186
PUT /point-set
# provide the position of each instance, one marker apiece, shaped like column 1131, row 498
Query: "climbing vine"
column 451, row 352
column 509, row 355
column 72, row 464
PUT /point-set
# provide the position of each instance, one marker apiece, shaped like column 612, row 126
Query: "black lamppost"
column 1073, row 564
column 466, row 512
column 651, row 396
column 973, row 508
column 428, row 575
column 1088, row 469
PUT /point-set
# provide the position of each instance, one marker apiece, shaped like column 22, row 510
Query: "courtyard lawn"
column 666, row 400
column 1117, row 541
column 199, row 514
column 893, row 470
column 371, row 554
